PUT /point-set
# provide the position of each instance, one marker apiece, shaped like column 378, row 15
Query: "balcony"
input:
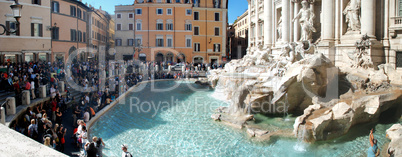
column 395, row 24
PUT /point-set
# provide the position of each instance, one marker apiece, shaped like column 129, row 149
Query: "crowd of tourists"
column 44, row 122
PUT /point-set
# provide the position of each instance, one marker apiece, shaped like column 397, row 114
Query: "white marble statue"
column 216, row 3
column 306, row 17
column 352, row 16
column 279, row 28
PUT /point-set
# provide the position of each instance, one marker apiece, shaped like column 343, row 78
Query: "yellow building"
column 32, row 43
column 172, row 30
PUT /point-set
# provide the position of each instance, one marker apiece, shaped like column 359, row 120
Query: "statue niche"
column 352, row 15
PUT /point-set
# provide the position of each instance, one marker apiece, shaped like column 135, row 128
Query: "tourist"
column 125, row 153
column 60, row 134
column 54, row 105
column 52, row 92
column 47, row 142
column 91, row 150
column 99, row 145
column 86, row 115
column 33, row 90
column 84, row 137
column 76, row 113
column 373, row 150
column 58, row 115
column 32, row 129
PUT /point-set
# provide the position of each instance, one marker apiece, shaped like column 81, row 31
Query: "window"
column 118, row 42
column 159, row 26
column 216, row 31
column 118, row 16
column 400, row 7
column 169, row 26
column 159, row 1
column 252, row 32
column 188, row 12
column 130, row 15
column 84, row 15
column 84, row 37
column 196, row 47
column 130, row 26
column 10, row 25
column 55, row 7
column 188, row 41
column 93, row 34
column 118, row 27
column 79, row 13
column 73, row 35
column 138, row 11
column 260, row 31
column 169, row 11
column 216, row 16
column 168, row 1
column 177, row 1
column 79, row 36
column 130, row 42
column 138, row 41
column 36, row 30
column 159, row 42
column 73, row 11
column 188, row 27
column 196, row 30
column 196, row 16
column 139, row 26
column 217, row 47
column 399, row 59
column 159, row 11
column 169, row 42
column 55, row 33
column 36, row 2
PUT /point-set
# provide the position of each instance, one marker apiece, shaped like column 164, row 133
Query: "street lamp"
column 16, row 8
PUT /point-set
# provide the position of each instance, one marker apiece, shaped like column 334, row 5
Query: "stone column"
column 26, row 99
column 328, row 20
column 11, row 108
column 285, row 20
column 268, row 23
column 42, row 91
column 249, row 26
column 2, row 116
column 386, row 33
column 257, row 25
column 368, row 13
column 296, row 26
column 61, row 86
column 338, row 14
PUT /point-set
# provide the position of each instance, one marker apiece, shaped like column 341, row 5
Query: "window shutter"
column 32, row 29
column 219, row 47
column 8, row 27
column 39, row 2
column 40, row 30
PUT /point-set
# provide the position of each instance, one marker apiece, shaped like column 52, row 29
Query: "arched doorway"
column 181, row 58
column 198, row 60
column 142, row 57
column 159, row 57
column 169, row 57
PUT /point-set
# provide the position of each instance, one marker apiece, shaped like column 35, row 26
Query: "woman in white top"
column 33, row 89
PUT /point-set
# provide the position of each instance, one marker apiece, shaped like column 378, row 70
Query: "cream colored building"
column 241, row 36
column 337, row 24
column 33, row 41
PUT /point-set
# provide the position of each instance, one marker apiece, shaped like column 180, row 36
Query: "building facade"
column 334, row 26
column 240, row 41
column 172, row 31
column 70, row 20
column 32, row 43
column 99, row 28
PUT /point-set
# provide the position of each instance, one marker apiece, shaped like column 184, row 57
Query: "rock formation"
column 395, row 135
column 301, row 80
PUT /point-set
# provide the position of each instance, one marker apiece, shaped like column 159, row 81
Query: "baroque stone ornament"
column 306, row 17
column 361, row 57
column 352, row 15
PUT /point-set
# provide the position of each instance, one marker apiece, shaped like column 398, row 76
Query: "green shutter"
column 8, row 27
column 32, row 29
column 40, row 30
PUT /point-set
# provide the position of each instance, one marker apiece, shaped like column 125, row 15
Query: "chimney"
column 100, row 7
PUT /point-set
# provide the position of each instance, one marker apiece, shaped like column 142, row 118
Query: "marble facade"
column 334, row 26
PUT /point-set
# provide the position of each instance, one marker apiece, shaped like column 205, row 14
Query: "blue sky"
column 236, row 7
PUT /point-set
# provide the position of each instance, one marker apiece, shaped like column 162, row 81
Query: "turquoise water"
column 181, row 126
